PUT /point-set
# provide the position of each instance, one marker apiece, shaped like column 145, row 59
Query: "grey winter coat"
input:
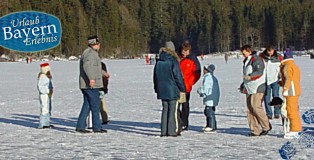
column 90, row 69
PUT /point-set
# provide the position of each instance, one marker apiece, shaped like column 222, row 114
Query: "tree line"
column 129, row 28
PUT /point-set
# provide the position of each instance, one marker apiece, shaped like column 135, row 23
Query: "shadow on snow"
column 143, row 128
column 68, row 125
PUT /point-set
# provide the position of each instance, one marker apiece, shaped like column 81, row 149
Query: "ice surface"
column 134, row 130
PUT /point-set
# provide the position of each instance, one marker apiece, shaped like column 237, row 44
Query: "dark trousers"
column 169, row 118
column 184, row 115
column 209, row 112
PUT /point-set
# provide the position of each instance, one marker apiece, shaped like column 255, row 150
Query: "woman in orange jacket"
column 291, row 90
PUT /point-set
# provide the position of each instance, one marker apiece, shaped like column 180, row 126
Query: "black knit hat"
column 93, row 40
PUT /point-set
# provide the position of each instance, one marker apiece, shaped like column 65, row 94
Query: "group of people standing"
column 174, row 76
column 262, row 76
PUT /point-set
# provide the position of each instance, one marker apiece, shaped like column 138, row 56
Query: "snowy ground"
column 135, row 116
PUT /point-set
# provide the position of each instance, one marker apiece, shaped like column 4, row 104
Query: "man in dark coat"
column 168, row 84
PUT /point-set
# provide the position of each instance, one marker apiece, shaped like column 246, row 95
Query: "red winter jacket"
column 191, row 71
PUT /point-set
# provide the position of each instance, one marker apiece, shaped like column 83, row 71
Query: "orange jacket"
column 190, row 69
column 290, row 74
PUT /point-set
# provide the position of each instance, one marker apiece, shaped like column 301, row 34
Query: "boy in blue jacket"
column 210, row 92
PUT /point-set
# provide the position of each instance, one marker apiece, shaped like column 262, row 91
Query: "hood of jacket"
column 265, row 54
column 166, row 54
column 287, row 61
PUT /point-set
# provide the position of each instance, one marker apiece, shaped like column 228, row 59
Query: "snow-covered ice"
column 134, row 130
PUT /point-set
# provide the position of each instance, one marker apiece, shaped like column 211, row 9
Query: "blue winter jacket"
column 168, row 81
column 209, row 90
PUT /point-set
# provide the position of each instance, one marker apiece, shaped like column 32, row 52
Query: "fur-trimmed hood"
column 163, row 52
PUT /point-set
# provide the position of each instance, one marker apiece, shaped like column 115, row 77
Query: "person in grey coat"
column 254, row 86
column 168, row 84
column 90, row 81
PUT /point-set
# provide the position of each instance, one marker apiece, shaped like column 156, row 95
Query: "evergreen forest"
column 129, row 28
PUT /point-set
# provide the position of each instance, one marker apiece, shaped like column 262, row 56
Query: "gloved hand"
column 242, row 89
column 285, row 92
column 246, row 77
column 101, row 94
column 199, row 91
column 50, row 93
column 280, row 83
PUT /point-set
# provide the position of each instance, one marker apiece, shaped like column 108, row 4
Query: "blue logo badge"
column 306, row 139
column 30, row 31
column 308, row 116
column 287, row 150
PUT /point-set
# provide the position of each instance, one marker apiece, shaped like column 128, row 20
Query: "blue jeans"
column 209, row 112
column 272, row 89
column 91, row 103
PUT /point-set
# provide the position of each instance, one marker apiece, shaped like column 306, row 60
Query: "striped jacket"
column 254, row 66
column 290, row 74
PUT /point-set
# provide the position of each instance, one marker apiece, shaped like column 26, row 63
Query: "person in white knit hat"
column 45, row 90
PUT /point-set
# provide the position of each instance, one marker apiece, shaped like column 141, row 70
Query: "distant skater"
column 226, row 57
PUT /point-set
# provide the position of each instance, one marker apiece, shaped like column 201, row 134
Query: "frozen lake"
column 134, row 130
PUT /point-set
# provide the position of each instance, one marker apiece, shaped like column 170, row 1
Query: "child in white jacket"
column 210, row 93
column 45, row 90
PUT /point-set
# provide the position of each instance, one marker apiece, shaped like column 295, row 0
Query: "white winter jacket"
column 209, row 90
